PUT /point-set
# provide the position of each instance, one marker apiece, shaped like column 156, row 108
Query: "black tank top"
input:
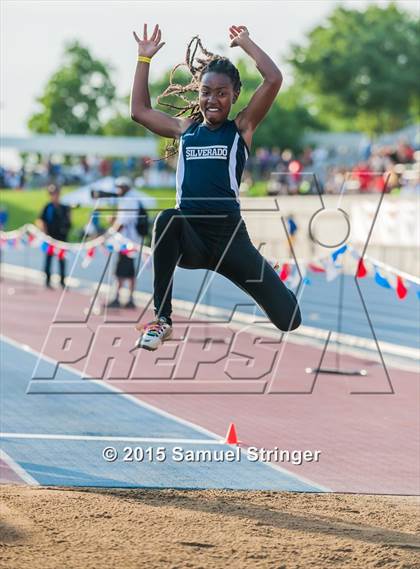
column 210, row 167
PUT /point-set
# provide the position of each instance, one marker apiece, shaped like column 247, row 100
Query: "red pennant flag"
column 401, row 288
column 88, row 257
column 50, row 250
column 61, row 254
column 361, row 269
column 315, row 268
column 284, row 272
column 30, row 237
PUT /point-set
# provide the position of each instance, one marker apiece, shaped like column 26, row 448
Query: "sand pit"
column 60, row 528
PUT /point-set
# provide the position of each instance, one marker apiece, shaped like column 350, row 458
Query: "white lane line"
column 62, row 437
column 21, row 472
column 158, row 411
column 301, row 478
column 112, row 439
column 107, row 386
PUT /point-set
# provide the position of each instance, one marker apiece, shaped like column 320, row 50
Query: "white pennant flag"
column 331, row 271
column 294, row 278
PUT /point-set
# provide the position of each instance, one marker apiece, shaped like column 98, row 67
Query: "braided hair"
column 198, row 66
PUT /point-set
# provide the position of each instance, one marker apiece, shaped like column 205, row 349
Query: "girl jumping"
column 205, row 230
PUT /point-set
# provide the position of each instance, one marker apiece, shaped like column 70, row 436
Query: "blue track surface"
column 394, row 320
column 64, row 462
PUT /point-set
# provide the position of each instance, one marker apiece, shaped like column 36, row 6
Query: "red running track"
column 369, row 441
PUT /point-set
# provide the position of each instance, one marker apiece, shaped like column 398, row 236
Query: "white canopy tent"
column 82, row 196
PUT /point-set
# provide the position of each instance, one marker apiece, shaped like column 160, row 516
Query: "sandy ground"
column 57, row 528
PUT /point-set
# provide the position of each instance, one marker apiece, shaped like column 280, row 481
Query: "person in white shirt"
column 126, row 224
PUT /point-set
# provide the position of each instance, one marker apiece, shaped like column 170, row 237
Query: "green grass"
column 25, row 207
column 258, row 189
column 165, row 197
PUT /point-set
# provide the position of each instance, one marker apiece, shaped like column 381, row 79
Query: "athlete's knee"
column 296, row 316
column 296, row 319
column 290, row 317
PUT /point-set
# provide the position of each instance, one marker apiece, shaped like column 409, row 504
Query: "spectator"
column 4, row 216
column 22, row 177
column 105, row 167
column 85, row 165
column 128, row 224
column 55, row 222
column 363, row 174
column 116, row 167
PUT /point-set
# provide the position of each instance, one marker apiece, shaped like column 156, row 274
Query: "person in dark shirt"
column 55, row 221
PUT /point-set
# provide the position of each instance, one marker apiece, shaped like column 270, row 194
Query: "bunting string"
column 384, row 275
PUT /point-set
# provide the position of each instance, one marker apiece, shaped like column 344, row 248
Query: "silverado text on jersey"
column 199, row 152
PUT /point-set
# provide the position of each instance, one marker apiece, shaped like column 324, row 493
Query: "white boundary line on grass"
column 160, row 412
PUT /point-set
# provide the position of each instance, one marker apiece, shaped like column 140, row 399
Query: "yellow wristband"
column 144, row 59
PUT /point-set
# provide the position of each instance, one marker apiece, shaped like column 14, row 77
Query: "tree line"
column 356, row 71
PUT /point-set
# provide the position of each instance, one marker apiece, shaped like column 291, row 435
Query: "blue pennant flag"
column 44, row 246
column 380, row 280
column 292, row 225
column 307, row 281
column 418, row 293
column 339, row 252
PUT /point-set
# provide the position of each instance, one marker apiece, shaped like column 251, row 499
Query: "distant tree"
column 77, row 95
column 121, row 123
column 361, row 68
column 288, row 119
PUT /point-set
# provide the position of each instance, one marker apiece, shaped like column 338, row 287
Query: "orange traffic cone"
column 232, row 436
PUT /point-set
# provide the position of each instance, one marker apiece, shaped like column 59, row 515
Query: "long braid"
column 197, row 66
column 191, row 107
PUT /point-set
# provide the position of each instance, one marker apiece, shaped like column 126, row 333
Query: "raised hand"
column 238, row 34
column 148, row 47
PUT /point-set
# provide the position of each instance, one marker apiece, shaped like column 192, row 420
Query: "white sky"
column 33, row 35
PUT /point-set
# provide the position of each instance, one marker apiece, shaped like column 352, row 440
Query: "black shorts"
column 220, row 243
column 125, row 267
